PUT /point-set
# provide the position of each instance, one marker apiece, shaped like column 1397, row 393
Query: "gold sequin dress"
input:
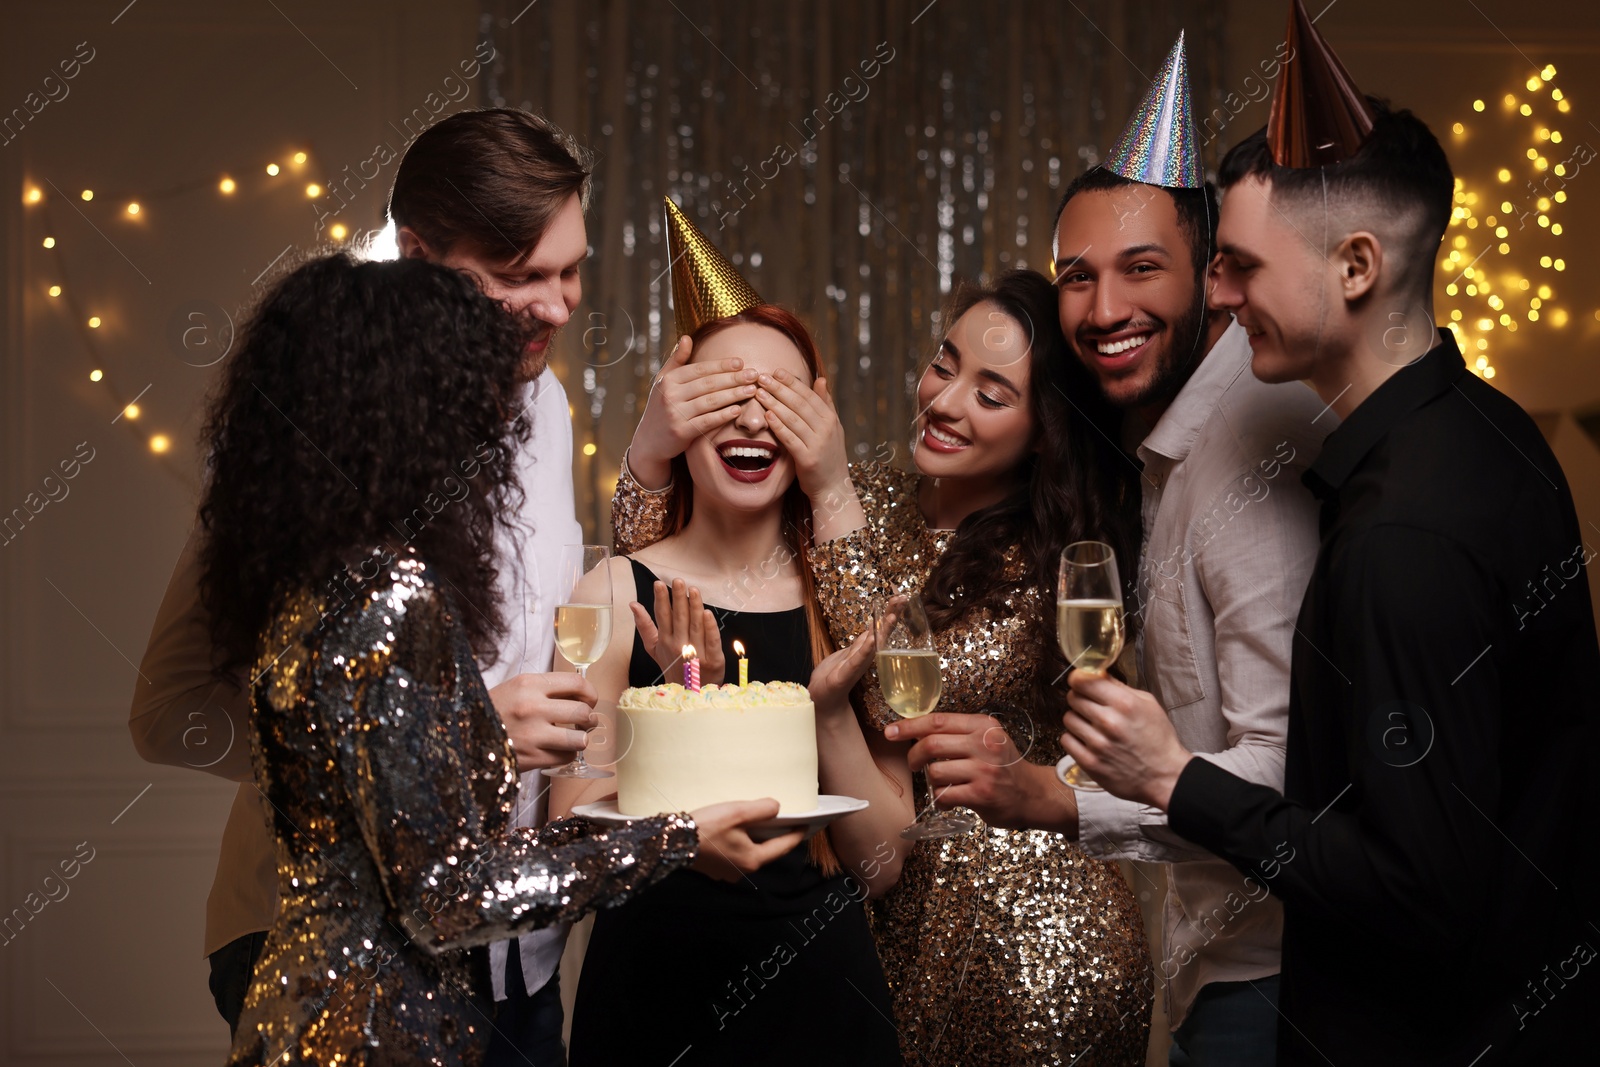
column 1001, row 947
column 391, row 784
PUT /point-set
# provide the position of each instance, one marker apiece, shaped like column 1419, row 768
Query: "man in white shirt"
column 500, row 195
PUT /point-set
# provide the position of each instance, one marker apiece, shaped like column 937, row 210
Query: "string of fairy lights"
column 1499, row 260
column 1487, row 264
column 89, row 313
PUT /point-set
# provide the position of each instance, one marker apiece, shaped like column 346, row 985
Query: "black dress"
column 778, row 968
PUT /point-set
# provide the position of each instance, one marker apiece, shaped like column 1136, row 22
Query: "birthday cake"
column 683, row 750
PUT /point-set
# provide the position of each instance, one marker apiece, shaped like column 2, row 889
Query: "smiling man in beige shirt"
column 1230, row 535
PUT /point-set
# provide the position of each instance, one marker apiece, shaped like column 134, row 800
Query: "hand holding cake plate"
column 811, row 822
column 692, row 747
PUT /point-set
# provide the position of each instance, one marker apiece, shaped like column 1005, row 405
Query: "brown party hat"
column 1318, row 115
column 704, row 284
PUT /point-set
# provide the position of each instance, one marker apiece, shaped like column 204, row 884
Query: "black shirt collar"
column 1404, row 392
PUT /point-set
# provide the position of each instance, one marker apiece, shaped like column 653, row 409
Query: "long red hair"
column 796, row 505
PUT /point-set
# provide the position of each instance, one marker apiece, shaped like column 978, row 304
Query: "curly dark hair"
column 1079, row 485
column 370, row 407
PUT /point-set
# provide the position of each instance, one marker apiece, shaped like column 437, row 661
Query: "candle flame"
column 738, row 648
column 688, row 652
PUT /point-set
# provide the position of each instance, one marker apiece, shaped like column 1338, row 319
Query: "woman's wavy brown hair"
column 1078, row 485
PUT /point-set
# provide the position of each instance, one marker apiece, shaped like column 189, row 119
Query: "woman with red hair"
column 724, row 973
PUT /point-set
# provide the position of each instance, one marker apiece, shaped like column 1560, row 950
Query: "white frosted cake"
column 686, row 750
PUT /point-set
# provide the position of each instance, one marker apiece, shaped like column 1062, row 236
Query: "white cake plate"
column 828, row 809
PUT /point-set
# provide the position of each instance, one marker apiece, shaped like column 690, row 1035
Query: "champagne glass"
column 1088, row 623
column 583, row 629
column 908, row 675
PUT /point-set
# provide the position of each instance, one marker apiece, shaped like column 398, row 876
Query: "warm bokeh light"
column 272, row 168
column 338, row 232
column 95, row 375
column 87, row 194
column 313, row 190
column 299, row 157
column 160, row 443
column 33, row 195
column 55, row 290
column 227, row 185
column 131, row 411
column 1480, row 302
column 590, row 449
column 133, row 208
column 49, row 242
column 94, row 322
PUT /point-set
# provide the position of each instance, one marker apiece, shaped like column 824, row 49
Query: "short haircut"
column 1197, row 210
column 493, row 178
column 1400, row 168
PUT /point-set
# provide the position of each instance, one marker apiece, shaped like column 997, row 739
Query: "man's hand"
column 681, row 619
column 545, row 715
column 1123, row 738
column 971, row 762
column 686, row 402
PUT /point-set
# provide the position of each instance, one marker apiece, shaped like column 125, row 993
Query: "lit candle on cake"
column 691, row 669
column 744, row 664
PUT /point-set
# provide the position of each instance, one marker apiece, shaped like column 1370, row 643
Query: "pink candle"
column 691, row 669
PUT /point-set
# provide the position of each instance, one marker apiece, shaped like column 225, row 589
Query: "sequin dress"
column 391, row 783
column 1001, row 947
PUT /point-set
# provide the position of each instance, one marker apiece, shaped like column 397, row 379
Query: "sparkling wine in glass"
column 908, row 676
column 583, row 629
column 1088, row 622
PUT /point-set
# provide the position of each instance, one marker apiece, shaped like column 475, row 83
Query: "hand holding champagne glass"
column 583, row 630
column 908, row 675
column 1089, row 622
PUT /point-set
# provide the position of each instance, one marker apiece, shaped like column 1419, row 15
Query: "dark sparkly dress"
column 1001, row 947
column 777, row 969
column 391, row 784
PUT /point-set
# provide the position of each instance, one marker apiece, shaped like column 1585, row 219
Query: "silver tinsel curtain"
column 855, row 159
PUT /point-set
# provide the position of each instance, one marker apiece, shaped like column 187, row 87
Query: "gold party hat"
column 704, row 284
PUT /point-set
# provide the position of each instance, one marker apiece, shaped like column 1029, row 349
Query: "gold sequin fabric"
column 391, row 783
column 1001, row 947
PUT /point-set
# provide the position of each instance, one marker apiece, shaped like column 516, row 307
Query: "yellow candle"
column 744, row 664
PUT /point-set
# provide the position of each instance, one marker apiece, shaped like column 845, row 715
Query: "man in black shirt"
column 1433, row 845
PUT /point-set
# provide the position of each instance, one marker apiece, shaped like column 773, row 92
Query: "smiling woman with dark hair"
column 1001, row 946
column 361, row 447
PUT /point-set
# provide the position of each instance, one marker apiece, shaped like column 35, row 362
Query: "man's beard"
column 534, row 363
column 1177, row 363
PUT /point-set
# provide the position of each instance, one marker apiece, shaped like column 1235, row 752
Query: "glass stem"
column 583, row 669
